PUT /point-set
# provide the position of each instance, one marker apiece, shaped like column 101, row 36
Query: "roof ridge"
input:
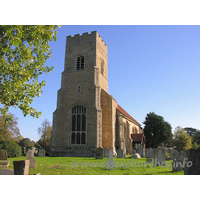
column 125, row 113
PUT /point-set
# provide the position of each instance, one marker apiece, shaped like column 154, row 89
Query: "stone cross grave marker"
column 32, row 163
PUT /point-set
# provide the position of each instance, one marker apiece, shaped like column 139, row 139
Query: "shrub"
column 12, row 148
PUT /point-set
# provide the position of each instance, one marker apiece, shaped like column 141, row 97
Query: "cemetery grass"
column 63, row 166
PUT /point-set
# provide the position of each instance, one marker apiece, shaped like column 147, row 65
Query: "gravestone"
column 182, row 155
column 159, row 156
column 192, row 167
column 21, row 167
column 99, row 153
column 136, row 155
column 120, row 153
column 41, row 153
column 149, row 153
column 106, row 152
column 27, row 149
column 149, row 160
column 28, row 153
column 32, row 151
column 110, row 162
column 133, row 152
column 3, row 158
column 177, row 164
column 4, row 163
column 171, row 151
column 3, row 154
column 32, row 163
column 6, row 172
column 140, row 150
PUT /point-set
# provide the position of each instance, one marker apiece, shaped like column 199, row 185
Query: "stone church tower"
column 87, row 117
column 77, row 121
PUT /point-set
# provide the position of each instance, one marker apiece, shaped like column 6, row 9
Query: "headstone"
column 171, row 151
column 120, row 153
column 177, row 164
column 21, row 167
column 106, row 152
column 110, row 162
column 149, row 153
column 33, row 151
column 182, row 155
column 27, row 149
column 3, row 154
column 6, row 172
column 41, row 153
column 192, row 167
column 4, row 163
column 99, row 153
column 159, row 156
column 32, row 163
column 136, row 155
column 149, row 160
column 140, row 150
column 28, row 153
column 133, row 152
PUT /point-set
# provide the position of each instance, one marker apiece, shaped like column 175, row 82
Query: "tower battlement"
column 85, row 37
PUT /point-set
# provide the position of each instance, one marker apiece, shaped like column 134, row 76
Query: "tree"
column 45, row 132
column 195, row 133
column 156, row 130
column 182, row 140
column 23, row 52
column 12, row 148
column 9, row 130
column 25, row 142
column 191, row 131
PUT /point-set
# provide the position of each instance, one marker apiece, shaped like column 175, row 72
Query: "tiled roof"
column 137, row 137
column 125, row 113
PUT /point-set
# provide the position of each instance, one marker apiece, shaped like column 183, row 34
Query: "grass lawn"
column 92, row 166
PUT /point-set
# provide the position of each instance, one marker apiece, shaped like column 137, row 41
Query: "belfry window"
column 102, row 66
column 78, row 129
column 80, row 65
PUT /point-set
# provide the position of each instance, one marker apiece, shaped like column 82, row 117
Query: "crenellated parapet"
column 85, row 37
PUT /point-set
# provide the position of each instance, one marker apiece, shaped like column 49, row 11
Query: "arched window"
column 80, row 63
column 73, row 138
column 78, row 125
column 83, row 138
column 102, row 66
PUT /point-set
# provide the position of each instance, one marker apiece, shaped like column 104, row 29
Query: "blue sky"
column 150, row 69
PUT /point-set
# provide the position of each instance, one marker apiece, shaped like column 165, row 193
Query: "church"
column 87, row 116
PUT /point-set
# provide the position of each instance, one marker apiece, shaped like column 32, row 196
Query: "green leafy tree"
column 195, row 133
column 12, row 148
column 191, row 131
column 182, row 141
column 195, row 145
column 156, row 130
column 26, row 142
column 9, row 130
column 23, row 53
column 45, row 132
